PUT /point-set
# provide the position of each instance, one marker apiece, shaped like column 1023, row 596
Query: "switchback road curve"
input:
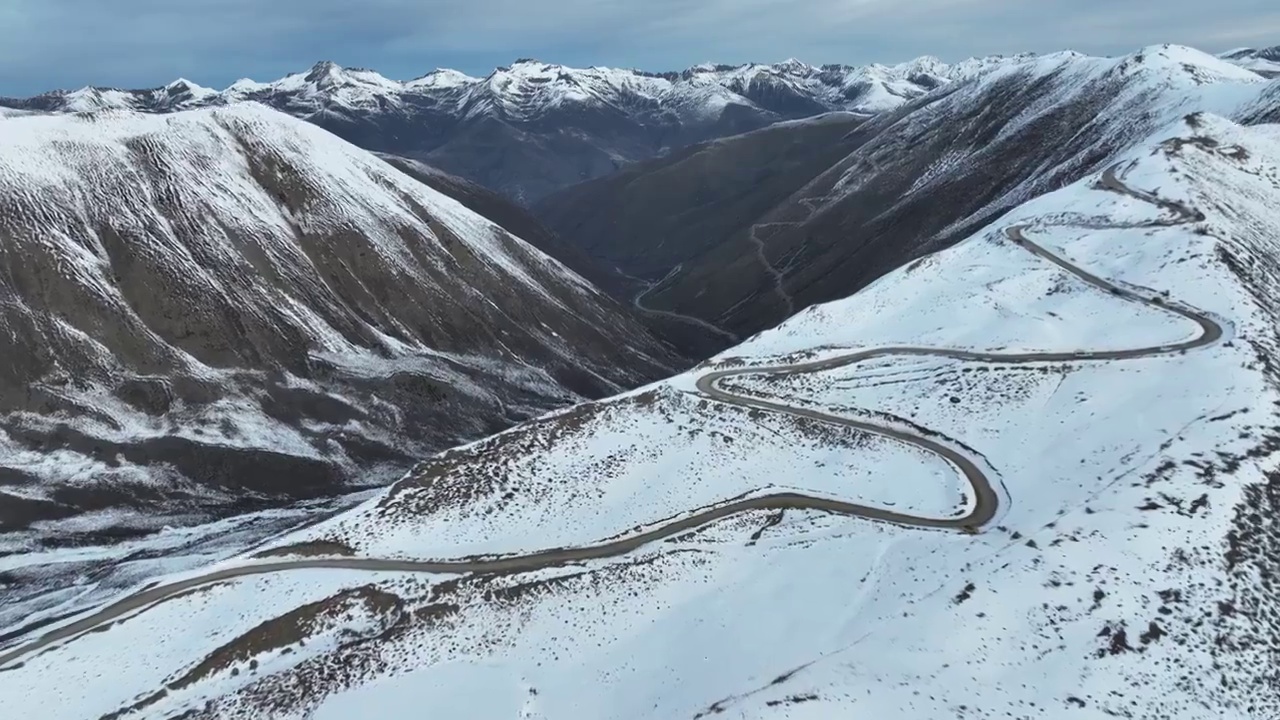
column 986, row 500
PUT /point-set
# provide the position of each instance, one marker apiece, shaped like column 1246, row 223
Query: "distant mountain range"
column 534, row 127
column 531, row 128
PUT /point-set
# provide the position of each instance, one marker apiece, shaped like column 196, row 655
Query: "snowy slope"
column 223, row 308
column 1120, row 575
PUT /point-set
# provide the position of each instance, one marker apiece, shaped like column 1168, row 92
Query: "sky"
column 46, row 44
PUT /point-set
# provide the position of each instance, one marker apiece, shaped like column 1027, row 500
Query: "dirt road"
column 983, row 509
column 638, row 303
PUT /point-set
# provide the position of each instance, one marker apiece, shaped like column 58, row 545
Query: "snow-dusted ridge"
column 1122, row 579
column 1264, row 61
column 530, row 87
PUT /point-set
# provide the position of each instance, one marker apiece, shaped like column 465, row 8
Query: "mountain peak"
column 1268, row 53
column 323, row 70
column 183, row 86
column 793, row 65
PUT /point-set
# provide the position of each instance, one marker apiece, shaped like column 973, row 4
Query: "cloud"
column 60, row 43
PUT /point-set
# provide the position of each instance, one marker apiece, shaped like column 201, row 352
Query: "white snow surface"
column 1096, row 593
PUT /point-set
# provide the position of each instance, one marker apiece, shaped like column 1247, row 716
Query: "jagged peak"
column 322, row 70
column 793, row 64
column 183, row 85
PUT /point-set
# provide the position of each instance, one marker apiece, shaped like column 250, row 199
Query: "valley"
column 834, row 203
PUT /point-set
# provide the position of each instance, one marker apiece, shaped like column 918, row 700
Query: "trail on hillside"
column 638, row 302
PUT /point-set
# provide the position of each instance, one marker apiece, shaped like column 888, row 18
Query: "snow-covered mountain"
column 221, row 308
column 1265, row 61
column 1088, row 533
column 533, row 127
column 902, row 184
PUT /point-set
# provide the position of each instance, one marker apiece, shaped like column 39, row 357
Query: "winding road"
column 983, row 509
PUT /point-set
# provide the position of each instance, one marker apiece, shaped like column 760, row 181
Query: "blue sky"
column 47, row 44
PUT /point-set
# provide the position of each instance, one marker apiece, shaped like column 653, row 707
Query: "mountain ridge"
column 1264, row 61
column 182, row 93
